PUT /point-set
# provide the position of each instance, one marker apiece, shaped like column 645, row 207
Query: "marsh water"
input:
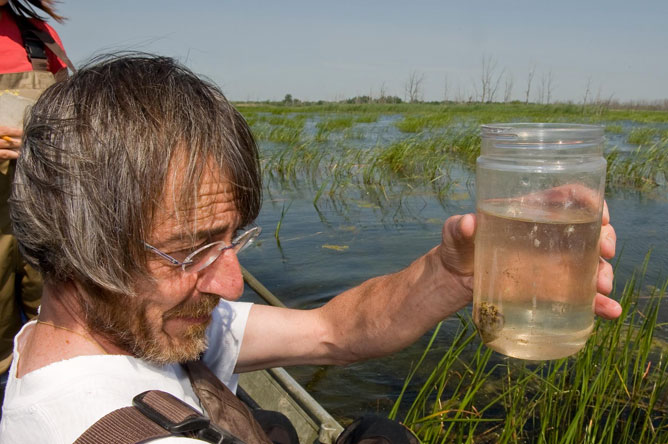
column 332, row 238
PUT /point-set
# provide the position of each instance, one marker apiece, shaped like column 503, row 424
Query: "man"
column 135, row 191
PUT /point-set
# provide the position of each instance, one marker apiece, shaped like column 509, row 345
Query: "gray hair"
column 95, row 159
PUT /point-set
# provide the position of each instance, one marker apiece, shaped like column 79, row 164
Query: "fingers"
column 606, row 308
column 8, row 154
column 10, row 143
column 10, row 138
column 565, row 196
column 605, row 276
column 11, row 131
column 607, row 241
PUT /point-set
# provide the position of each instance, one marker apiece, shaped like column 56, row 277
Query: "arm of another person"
column 10, row 142
column 385, row 314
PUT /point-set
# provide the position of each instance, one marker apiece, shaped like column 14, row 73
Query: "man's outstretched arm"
column 387, row 313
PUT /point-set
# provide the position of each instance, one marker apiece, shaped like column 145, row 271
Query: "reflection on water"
column 371, row 234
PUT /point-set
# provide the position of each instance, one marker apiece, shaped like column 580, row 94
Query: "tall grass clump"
column 296, row 122
column 411, row 124
column 335, row 124
column 644, row 168
column 642, row 136
column 615, row 390
column 614, row 129
column 422, row 162
column 288, row 165
column 280, row 128
column 278, row 134
column 421, row 122
column 366, row 118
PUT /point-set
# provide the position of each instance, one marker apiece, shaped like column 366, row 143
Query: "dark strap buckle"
column 34, row 46
column 193, row 424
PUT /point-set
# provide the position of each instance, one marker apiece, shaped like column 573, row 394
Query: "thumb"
column 457, row 245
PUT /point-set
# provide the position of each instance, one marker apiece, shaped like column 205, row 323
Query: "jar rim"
column 528, row 132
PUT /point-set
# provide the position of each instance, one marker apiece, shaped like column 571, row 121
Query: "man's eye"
column 181, row 255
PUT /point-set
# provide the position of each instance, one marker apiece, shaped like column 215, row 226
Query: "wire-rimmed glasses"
column 207, row 255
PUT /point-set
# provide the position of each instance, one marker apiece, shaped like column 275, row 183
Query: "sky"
column 317, row 50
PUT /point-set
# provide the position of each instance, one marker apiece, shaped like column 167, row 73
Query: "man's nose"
column 223, row 277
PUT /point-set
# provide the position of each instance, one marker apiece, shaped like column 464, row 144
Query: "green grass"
column 644, row 169
column 614, row 129
column 615, row 390
column 367, row 118
column 478, row 112
column 281, row 128
column 420, row 162
column 418, row 123
column 289, row 122
column 642, row 136
column 335, row 124
column 432, row 135
column 278, row 134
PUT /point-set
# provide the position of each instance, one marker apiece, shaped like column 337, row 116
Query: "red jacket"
column 13, row 56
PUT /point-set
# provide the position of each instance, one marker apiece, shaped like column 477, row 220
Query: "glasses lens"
column 246, row 239
column 204, row 257
column 208, row 254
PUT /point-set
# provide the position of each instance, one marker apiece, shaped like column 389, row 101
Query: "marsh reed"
column 615, row 390
column 643, row 169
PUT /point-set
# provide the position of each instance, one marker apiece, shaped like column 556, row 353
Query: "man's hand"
column 604, row 306
column 456, row 253
column 10, row 142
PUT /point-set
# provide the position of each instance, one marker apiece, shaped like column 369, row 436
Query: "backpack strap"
column 34, row 40
column 154, row 414
column 223, row 407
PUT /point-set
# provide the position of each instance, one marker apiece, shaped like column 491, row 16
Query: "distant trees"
column 549, row 85
column 369, row 99
column 587, row 93
column 489, row 79
column 413, row 87
column 492, row 83
column 508, row 88
column 532, row 72
column 544, row 92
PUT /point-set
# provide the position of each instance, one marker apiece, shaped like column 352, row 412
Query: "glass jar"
column 539, row 201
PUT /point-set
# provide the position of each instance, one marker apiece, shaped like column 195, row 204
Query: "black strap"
column 35, row 49
column 34, row 40
column 154, row 414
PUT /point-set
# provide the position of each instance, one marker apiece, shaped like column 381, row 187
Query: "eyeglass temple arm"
column 163, row 255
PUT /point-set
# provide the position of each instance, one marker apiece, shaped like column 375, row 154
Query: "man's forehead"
column 211, row 206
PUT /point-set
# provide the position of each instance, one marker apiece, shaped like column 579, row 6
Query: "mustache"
column 201, row 308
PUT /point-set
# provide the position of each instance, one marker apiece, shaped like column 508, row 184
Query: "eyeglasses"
column 207, row 255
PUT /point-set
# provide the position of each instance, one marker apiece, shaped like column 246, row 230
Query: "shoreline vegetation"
column 336, row 145
column 615, row 390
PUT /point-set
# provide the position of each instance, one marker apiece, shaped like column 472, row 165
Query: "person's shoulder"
column 66, row 398
column 44, row 26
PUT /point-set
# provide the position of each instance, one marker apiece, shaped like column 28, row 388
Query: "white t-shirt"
column 57, row 403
